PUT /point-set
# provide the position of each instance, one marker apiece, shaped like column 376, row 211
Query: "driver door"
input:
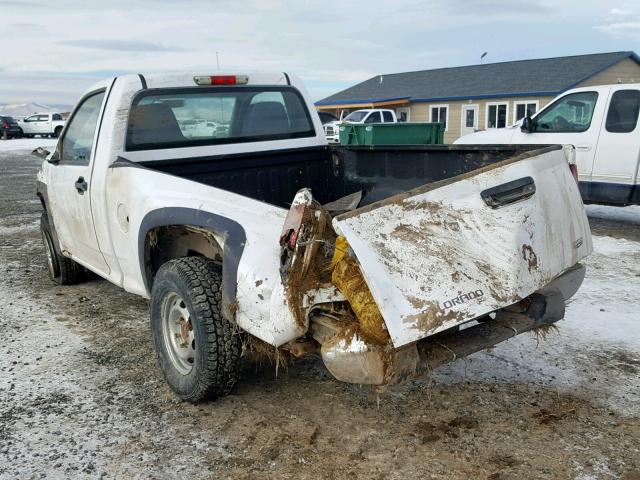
column 71, row 184
column 42, row 124
column 29, row 125
column 571, row 120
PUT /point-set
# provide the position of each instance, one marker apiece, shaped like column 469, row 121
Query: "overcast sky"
column 52, row 51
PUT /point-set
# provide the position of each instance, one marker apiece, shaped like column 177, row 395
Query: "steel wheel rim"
column 177, row 330
column 49, row 253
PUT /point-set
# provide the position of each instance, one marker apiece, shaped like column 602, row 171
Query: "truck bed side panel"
column 379, row 172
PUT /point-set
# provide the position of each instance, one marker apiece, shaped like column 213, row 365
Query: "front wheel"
column 198, row 350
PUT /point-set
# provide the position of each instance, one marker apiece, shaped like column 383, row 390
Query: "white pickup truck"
column 43, row 124
column 370, row 115
column 386, row 261
column 602, row 123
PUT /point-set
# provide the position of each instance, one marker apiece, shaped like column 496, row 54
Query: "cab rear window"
column 174, row 118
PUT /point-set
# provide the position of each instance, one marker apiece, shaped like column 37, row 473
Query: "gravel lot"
column 81, row 397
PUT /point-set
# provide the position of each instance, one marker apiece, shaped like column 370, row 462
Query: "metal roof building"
column 483, row 96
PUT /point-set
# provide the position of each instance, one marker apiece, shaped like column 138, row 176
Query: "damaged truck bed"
column 218, row 198
column 440, row 271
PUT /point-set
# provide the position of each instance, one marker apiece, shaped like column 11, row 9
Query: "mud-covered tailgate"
column 452, row 251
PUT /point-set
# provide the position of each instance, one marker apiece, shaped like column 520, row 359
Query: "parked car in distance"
column 602, row 123
column 43, row 124
column 9, row 127
column 370, row 115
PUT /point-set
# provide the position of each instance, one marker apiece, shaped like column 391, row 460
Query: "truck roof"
column 186, row 79
column 602, row 88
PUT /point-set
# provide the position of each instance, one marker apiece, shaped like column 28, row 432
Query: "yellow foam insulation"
column 348, row 278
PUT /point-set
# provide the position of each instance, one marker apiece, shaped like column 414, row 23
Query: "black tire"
column 56, row 132
column 20, row 133
column 193, row 285
column 61, row 269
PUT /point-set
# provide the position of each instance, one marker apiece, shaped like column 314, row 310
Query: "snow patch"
column 29, row 144
column 621, row 214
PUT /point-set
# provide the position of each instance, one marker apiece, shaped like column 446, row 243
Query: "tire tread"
column 202, row 278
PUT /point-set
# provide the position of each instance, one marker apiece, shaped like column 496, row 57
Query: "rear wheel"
column 61, row 269
column 198, row 350
column 56, row 132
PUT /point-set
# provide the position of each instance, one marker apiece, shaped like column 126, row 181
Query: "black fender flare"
column 233, row 233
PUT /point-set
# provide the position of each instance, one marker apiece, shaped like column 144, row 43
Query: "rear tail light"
column 221, row 79
column 5, row 125
column 574, row 171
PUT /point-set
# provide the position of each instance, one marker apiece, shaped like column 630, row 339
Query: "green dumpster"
column 402, row 133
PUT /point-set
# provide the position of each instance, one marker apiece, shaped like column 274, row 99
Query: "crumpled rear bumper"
column 354, row 361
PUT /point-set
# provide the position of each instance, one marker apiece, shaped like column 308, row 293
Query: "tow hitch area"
column 328, row 291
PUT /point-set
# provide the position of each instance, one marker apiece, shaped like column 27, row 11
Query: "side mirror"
column 528, row 125
column 54, row 158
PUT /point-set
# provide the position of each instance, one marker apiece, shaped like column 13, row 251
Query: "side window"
column 571, row 113
column 622, row 116
column 77, row 142
column 43, row 118
column 32, row 118
column 387, row 116
column 56, row 116
column 373, row 118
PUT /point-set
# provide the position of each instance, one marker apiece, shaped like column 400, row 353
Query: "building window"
column 497, row 115
column 440, row 114
column 403, row 114
column 522, row 109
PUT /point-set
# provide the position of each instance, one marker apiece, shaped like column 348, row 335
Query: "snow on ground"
column 608, row 302
column 620, row 214
column 27, row 144
column 597, row 343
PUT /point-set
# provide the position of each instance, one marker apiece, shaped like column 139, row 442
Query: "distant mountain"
column 19, row 110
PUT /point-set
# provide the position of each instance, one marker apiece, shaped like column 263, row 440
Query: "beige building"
column 477, row 97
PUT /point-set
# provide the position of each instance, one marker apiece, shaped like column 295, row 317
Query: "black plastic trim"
column 143, row 81
column 234, row 234
column 606, row 193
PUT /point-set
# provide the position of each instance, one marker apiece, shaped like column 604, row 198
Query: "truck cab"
column 601, row 122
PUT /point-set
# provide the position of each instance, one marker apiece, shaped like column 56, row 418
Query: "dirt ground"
column 81, row 396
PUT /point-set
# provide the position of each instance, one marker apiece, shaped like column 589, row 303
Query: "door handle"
column 81, row 185
column 583, row 148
